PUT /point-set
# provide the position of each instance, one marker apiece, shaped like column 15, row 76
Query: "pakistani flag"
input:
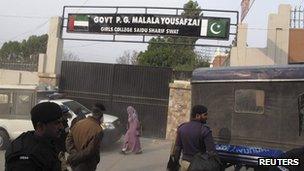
column 215, row 27
column 78, row 23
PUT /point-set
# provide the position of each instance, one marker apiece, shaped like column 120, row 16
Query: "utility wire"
column 29, row 17
column 23, row 16
column 36, row 28
column 251, row 5
column 80, row 46
column 252, row 2
column 85, row 2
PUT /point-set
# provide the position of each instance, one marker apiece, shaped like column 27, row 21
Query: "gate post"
column 179, row 106
column 52, row 63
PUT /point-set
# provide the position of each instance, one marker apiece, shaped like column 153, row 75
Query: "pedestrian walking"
column 193, row 137
column 131, row 139
column 36, row 150
column 83, row 141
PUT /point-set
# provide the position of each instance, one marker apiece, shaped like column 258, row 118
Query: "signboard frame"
column 145, row 36
column 111, row 25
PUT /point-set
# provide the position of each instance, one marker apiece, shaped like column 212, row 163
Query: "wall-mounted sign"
column 147, row 24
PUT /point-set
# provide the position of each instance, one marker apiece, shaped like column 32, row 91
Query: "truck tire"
column 4, row 139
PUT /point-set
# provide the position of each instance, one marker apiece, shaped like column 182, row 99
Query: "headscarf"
column 132, row 114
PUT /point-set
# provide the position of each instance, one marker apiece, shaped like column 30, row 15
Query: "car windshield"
column 77, row 107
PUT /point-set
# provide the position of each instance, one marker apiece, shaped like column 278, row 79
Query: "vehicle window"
column 75, row 106
column 249, row 101
column 23, row 98
column 22, row 106
column 3, row 98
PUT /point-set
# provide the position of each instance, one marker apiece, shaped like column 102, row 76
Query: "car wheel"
column 4, row 140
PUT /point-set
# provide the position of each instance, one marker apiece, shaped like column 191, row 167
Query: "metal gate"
column 118, row 86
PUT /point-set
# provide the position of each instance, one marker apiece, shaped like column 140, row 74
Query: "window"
column 3, row 98
column 76, row 107
column 23, row 99
column 249, row 101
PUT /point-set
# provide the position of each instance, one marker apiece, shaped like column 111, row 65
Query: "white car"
column 12, row 128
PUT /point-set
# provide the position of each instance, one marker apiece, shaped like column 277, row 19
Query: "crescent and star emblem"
column 215, row 30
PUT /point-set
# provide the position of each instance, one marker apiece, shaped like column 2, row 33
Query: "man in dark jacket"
column 60, row 142
column 193, row 137
column 83, row 141
column 36, row 150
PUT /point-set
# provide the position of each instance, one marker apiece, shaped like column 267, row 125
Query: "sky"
column 21, row 18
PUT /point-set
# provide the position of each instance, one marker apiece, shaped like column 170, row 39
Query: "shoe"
column 139, row 152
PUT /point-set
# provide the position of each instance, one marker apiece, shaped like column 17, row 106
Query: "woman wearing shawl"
column 132, row 143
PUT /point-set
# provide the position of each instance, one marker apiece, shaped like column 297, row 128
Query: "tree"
column 202, row 60
column 15, row 51
column 165, row 51
column 128, row 57
column 11, row 50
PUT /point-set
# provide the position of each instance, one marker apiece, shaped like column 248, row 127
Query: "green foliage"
column 165, row 51
column 24, row 51
column 192, row 9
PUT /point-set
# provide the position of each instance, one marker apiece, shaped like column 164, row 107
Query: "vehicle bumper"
column 111, row 136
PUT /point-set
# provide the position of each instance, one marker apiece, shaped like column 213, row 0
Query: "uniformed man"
column 60, row 142
column 193, row 137
column 36, row 150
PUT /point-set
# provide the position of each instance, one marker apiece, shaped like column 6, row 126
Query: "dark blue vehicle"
column 254, row 112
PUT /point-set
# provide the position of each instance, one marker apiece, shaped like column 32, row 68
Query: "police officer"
column 60, row 142
column 64, row 132
column 193, row 137
column 36, row 150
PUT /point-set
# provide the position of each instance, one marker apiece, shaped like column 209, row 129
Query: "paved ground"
column 154, row 157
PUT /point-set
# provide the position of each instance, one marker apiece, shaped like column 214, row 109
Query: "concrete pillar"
column 54, row 47
column 179, row 106
column 278, row 35
column 41, row 63
column 276, row 52
column 238, row 53
column 49, row 74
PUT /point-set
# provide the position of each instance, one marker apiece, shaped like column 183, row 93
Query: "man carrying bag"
column 194, row 140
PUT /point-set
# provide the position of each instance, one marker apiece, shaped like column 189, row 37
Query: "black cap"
column 45, row 112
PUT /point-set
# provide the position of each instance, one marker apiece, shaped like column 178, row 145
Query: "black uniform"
column 30, row 152
column 193, row 137
column 60, row 142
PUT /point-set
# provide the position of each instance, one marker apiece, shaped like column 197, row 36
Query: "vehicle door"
column 20, row 121
column 5, row 103
column 23, row 102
